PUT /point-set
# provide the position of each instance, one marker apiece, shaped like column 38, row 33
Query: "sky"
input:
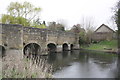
column 71, row 12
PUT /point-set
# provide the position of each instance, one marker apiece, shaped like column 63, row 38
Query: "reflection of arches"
column 71, row 46
column 2, row 51
column 65, row 46
column 51, row 47
column 52, row 57
column 31, row 48
column 65, row 54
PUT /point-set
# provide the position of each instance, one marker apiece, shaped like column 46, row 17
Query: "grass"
column 26, row 68
column 102, row 45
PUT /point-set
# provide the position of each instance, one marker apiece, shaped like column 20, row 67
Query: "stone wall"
column 34, row 35
column 17, row 37
column 11, row 36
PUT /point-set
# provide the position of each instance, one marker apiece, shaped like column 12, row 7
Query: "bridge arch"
column 65, row 47
column 51, row 47
column 71, row 46
column 2, row 51
column 32, row 49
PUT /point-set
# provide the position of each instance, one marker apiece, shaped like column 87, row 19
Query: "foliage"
column 103, row 44
column 82, row 38
column 39, row 26
column 85, row 33
column 14, row 20
column 18, row 13
column 89, row 36
column 25, row 10
column 88, row 24
column 36, row 23
column 117, row 20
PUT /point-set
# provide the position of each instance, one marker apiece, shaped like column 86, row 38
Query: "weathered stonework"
column 11, row 36
column 14, row 36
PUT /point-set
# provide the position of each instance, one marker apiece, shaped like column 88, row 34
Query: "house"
column 103, row 33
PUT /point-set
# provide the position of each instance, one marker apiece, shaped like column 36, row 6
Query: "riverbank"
column 105, row 46
column 14, row 65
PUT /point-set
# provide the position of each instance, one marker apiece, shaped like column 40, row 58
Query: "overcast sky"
column 71, row 11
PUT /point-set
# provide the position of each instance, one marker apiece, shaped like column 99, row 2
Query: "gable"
column 104, row 28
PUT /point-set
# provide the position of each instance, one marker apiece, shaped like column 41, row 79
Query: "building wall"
column 104, row 29
column 102, row 36
column 103, row 33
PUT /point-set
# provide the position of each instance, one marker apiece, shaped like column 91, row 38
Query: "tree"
column 18, row 13
column 88, row 24
column 84, row 30
column 25, row 10
column 79, row 32
column 82, row 38
column 8, row 19
column 117, row 20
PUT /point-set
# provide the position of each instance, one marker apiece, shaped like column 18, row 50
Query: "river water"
column 84, row 64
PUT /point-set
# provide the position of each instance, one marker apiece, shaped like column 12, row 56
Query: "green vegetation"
column 26, row 68
column 22, row 13
column 117, row 20
column 103, row 45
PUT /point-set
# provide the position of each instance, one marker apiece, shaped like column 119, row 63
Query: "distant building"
column 77, row 29
column 56, row 26
column 103, row 33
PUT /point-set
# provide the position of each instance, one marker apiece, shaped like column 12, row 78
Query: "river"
column 84, row 64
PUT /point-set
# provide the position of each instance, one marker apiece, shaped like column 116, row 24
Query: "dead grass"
column 15, row 66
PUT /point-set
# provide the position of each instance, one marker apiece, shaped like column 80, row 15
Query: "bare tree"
column 88, row 24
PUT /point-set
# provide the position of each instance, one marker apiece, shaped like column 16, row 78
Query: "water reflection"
column 118, row 67
column 84, row 64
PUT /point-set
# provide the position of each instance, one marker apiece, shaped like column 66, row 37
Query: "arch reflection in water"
column 52, row 57
column 118, row 67
column 65, row 54
column 84, row 64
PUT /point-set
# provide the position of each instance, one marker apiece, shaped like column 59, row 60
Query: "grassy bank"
column 103, row 46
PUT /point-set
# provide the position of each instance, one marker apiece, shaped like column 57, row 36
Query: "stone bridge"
column 34, row 40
